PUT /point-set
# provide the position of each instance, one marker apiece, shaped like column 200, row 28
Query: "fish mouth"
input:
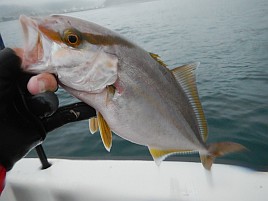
column 36, row 46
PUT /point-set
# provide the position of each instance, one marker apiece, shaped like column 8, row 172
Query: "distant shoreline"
column 9, row 12
column 14, row 11
column 11, row 18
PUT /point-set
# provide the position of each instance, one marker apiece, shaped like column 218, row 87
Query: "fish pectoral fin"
column 185, row 76
column 110, row 93
column 160, row 155
column 93, row 125
column 219, row 149
column 105, row 132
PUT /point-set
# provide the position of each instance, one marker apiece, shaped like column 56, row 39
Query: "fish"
column 135, row 94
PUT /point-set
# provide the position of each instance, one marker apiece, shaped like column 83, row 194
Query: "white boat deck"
column 114, row 180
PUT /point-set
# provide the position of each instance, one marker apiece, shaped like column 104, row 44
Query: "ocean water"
column 228, row 37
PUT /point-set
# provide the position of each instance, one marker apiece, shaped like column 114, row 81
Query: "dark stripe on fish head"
column 59, row 29
column 106, row 40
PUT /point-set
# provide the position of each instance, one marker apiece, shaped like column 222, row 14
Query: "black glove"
column 26, row 119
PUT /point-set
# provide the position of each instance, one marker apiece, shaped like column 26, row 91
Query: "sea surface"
column 228, row 37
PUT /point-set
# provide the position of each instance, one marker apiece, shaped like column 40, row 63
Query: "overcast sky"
column 8, row 2
column 36, row 2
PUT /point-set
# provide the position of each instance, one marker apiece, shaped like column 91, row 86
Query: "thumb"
column 41, row 83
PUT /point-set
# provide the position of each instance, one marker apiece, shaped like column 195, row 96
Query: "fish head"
column 76, row 51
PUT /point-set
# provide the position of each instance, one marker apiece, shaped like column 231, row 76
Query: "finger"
column 42, row 83
column 44, row 104
column 67, row 114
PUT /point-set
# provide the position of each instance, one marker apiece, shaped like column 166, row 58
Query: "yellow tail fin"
column 219, row 149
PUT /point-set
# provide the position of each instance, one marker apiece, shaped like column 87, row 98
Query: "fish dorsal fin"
column 93, row 125
column 157, row 58
column 186, row 78
column 105, row 132
column 160, row 155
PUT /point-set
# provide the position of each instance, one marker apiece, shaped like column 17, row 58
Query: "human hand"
column 28, row 110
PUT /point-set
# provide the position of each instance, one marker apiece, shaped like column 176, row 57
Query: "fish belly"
column 144, row 125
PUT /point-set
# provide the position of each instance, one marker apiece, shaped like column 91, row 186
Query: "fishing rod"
column 39, row 149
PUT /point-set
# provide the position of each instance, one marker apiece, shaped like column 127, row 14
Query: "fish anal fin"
column 93, row 125
column 105, row 132
column 219, row 149
column 185, row 76
column 160, row 155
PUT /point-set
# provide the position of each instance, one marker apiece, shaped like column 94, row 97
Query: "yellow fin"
column 93, row 125
column 219, row 149
column 157, row 58
column 186, row 78
column 160, row 155
column 105, row 132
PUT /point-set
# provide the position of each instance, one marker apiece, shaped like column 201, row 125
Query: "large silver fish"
column 135, row 94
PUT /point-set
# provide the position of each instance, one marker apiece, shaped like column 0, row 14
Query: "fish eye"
column 72, row 38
